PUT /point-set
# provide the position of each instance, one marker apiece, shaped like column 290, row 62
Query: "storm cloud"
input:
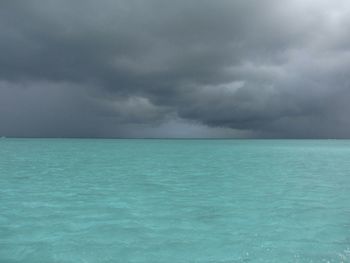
column 194, row 68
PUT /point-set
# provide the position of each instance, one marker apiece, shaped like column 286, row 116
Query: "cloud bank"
column 194, row 68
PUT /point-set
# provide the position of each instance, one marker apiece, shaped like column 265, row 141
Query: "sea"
column 174, row 201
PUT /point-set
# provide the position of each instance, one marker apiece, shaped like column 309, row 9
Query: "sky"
column 183, row 69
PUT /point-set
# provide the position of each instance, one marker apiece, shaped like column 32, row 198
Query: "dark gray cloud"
column 156, row 68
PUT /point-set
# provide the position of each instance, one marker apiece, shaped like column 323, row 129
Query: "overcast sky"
column 184, row 68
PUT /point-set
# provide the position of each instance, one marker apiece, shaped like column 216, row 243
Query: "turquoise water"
column 77, row 200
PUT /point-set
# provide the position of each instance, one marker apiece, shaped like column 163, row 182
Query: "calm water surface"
column 217, row 201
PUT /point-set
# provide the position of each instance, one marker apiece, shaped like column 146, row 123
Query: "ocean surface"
column 204, row 201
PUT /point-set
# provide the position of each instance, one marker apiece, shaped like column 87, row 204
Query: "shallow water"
column 79, row 200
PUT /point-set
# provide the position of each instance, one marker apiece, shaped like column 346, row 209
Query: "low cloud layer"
column 194, row 68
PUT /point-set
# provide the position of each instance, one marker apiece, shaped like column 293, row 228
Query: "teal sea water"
column 205, row 201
